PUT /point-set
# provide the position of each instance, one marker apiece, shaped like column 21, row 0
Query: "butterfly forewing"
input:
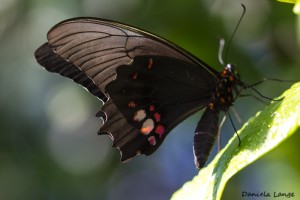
column 52, row 62
column 98, row 47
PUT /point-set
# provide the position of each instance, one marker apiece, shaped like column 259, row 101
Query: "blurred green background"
column 49, row 147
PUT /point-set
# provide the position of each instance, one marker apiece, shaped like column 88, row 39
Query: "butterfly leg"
column 219, row 131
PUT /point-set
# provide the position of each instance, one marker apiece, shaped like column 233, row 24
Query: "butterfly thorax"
column 222, row 95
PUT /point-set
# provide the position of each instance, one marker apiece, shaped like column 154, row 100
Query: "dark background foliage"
column 49, row 148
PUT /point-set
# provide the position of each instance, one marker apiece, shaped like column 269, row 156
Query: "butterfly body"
column 148, row 85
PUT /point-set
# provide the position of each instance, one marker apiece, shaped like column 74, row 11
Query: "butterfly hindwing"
column 148, row 99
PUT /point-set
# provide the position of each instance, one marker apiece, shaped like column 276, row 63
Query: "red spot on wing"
column 160, row 130
column 157, row 117
column 151, row 108
column 152, row 140
column 131, row 104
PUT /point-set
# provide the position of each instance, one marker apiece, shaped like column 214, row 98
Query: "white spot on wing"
column 147, row 127
column 139, row 115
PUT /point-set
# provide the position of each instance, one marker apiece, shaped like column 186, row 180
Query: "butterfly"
column 148, row 85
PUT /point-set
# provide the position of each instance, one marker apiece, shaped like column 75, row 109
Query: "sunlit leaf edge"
column 262, row 133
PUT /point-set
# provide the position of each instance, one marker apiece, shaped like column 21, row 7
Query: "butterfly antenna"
column 232, row 35
column 220, row 53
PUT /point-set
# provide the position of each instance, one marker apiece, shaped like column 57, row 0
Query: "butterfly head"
column 230, row 73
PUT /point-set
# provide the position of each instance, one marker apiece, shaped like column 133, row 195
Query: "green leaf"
column 296, row 10
column 259, row 135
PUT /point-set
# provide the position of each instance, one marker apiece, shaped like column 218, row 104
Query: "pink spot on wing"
column 150, row 63
column 151, row 107
column 157, row 117
column 152, row 140
column 160, row 130
column 134, row 76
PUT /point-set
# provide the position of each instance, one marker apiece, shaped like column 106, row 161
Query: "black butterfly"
column 148, row 85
